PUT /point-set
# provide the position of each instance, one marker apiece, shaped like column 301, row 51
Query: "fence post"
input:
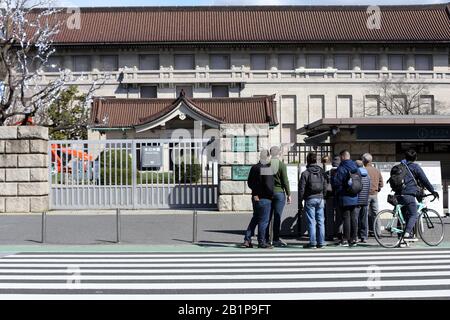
column 118, row 225
column 43, row 226
column 194, row 226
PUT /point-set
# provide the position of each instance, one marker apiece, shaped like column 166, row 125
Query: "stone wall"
column 23, row 169
column 235, row 195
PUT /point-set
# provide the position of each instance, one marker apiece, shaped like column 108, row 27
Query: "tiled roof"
column 122, row 113
column 283, row 24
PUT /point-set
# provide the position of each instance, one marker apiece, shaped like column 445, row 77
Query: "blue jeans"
column 409, row 211
column 363, row 222
column 278, row 203
column 261, row 216
column 314, row 209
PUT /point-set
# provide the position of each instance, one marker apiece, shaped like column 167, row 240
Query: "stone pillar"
column 234, row 195
column 24, row 169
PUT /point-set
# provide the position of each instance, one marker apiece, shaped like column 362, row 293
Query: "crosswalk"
column 231, row 275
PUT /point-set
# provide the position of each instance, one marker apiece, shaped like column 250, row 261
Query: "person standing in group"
column 261, row 182
column 281, row 193
column 312, row 190
column 363, row 200
column 333, row 220
column 376, row 184
column 347, row 184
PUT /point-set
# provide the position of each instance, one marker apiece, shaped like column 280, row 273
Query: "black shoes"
column 309, row 246
column 265, row 246
column 247, row 244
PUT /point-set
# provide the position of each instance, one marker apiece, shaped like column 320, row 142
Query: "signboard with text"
column 151, row 157
column 240, row 172
column 244, row 144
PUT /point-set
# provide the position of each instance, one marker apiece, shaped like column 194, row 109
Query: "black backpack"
column 397, row 177
column 354, row 182
column 315, row 182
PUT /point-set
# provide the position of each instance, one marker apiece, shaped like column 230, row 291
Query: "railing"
column 244, row 75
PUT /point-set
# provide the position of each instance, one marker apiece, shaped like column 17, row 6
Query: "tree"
column 27, row 31
column 398, row 98
column 67, row 117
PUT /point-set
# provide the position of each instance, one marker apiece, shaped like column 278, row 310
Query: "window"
column 219, row 91
column 82, row 63
column 258, row 62
column 424, row 62
column 371, row 106
column 369, row 62
column 316, row 108
column 314, row 61
column 54, row 63
column 287, row 109
column 396, row 62
column 109, row 63
column 148, row 92
column 399, row 106
column 286, row 62
column 187, row 91
column 426, row 104
column 184, row 62
column 342, row 62
column 288, row 134
column 148, row 62
column 219, row 61
column 344, row 107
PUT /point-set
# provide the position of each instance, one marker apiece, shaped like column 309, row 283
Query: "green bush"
column 189, row 173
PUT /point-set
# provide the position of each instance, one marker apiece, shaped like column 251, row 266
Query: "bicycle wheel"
column 388, row 229
column 431, row 227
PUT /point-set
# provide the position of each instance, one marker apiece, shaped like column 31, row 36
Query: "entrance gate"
column 132, row 174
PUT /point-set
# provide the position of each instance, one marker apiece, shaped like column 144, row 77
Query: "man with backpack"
column 261, row 182
column 312, row 189
column 348, row 184
column 407, row 180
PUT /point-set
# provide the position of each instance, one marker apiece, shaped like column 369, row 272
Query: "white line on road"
column 204, row 259
column 247, row 296
column 393, row 252
column 222, row 270
column 225, row 286
column 214, row 265
column 363, row 275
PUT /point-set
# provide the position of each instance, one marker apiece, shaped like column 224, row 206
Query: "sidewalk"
column 156, row 229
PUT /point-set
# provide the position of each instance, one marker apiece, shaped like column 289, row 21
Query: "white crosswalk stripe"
column 239, row 275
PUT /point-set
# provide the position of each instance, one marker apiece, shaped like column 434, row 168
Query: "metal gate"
column 160, row 173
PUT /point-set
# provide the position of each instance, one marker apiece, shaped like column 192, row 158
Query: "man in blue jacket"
column 363, row 201
column 411, row 190
column 347, row 203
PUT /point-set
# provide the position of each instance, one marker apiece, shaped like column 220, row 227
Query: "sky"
column 112, row 3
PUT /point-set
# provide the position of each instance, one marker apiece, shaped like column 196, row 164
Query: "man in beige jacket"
column 376, row 183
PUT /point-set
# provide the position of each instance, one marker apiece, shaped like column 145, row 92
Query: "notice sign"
column 432, row 170
column 292, row 174
column 244, row 144
column 151, row 157
column 240, row 173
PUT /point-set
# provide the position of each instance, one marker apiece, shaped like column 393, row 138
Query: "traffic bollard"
column 43, row 226
column 118, row 225
column 194, row 226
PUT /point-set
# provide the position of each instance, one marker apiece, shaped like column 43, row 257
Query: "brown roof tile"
column 134, row 112
column 292, row 24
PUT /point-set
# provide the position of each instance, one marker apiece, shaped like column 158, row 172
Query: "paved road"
column 247, row 274
column 162, row 229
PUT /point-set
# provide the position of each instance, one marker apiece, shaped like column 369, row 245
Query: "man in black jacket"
column 312, row 189
column 261, row 182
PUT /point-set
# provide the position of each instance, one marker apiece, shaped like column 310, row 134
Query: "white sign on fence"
column 292, row 174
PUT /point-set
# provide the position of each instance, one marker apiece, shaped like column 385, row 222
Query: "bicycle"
column 389, row 225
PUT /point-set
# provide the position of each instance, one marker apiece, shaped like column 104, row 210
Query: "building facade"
column 314, row 63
